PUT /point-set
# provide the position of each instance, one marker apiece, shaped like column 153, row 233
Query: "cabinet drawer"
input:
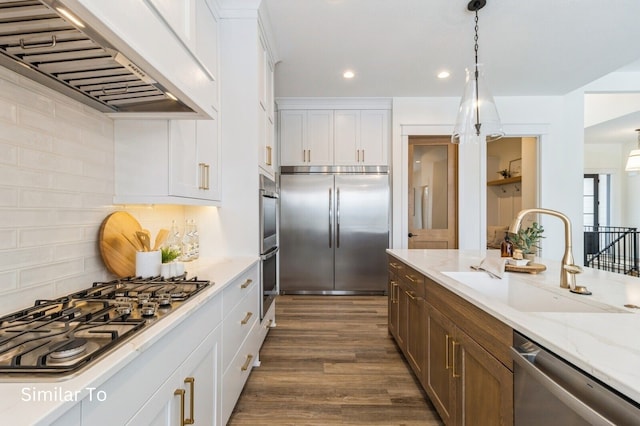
column 268, row 321
column 239, row 288
column 238, row 324
column 236, row 376
column 492, row 334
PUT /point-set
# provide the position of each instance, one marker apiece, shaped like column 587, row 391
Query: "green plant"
column 169, row 254
column 527, row 239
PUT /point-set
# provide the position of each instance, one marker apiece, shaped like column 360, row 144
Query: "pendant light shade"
column 633, row 162
column 477, row 114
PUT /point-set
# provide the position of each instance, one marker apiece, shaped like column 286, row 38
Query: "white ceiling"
column 396, row 47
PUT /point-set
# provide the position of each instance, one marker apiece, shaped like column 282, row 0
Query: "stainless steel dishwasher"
column 549, row 391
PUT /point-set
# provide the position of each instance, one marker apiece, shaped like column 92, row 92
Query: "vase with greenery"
column 169, row 254
column 527, row 239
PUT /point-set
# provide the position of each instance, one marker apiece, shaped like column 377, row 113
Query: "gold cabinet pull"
column 446, row 351
column 201, row 184
column 206, row 179
column 269, row 324
column 268, row 156
column 247, row 363
column 358, row 155
column 395, row 265
column 394, row 285
column 410, row 278
column 363, row 155
column 247, row 283
column 192, row 389
column 304, row 155
column 410, row 294
column 246, row 318
column 453, row 361
column 180, row 392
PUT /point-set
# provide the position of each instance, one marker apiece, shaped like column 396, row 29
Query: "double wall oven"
column 268, row 243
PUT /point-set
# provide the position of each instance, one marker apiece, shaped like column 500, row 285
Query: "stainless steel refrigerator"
column 334, row 230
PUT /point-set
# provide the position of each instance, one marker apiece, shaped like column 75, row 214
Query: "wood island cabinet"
column 459, row 353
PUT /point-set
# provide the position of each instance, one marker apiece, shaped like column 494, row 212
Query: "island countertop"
column 603, row 343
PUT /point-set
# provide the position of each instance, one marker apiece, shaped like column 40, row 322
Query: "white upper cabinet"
column 338, row 137
column 266, row 126
column 306, row 137
column 361, row 137
column 167, row 162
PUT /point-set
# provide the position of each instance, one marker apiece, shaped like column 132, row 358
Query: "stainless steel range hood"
column 39, row 42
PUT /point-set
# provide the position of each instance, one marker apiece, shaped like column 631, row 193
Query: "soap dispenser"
column 506, row 247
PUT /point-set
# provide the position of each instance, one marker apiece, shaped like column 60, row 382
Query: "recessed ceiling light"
column 444, row 74
column 348, row 74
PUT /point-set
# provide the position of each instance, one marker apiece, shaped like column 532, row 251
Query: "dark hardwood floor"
column 331, row 361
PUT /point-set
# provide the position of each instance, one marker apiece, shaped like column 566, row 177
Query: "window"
column 596, row 190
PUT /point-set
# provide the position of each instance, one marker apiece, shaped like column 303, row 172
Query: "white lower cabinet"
column 240, row 337
column 145, row 388
column 192, row 394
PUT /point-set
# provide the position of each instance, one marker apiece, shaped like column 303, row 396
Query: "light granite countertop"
column 17, row 403
column 602, row 343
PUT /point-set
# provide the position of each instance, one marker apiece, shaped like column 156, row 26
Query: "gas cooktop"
column 61, row 336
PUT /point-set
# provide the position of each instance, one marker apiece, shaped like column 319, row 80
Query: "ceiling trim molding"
column 334, row 103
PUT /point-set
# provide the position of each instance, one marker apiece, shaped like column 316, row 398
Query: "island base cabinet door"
column 438, row 374
column 415, row 335
column 393, row 305
column 484, row 386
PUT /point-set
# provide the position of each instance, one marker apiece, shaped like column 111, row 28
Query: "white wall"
column 552, row 118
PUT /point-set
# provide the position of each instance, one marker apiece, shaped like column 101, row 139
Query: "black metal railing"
column 612, row 248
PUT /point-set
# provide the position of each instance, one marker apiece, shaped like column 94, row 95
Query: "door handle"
column 337, row 217
column 192, row 396
column 411, row 235
column 330, row 217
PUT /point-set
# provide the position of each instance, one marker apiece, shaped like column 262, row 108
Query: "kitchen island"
column 594, row 333
column 142, row 377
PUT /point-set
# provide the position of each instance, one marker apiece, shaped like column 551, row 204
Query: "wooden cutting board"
column 117, row 238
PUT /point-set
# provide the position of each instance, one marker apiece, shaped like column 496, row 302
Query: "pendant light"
column 633, row 162
column 477, row 113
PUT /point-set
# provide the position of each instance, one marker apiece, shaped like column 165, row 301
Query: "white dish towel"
column 493, row 265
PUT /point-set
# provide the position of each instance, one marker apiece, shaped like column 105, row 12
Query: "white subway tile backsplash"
column 26, row 138
column 8, row 239
column 39, row 198
column 8, row 282
column 34, row 237
column 36, row 119
column 13, row 91
column 8, row 197
column 46, row 161
column 82, row 247
column 17, row 259
column 83, row 184
column 21, row 217
column 23, row 178
column 24, row 297
column 48, row 273
column 8, row 153
column 8, row 111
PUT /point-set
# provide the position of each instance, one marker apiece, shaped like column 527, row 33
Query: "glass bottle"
column 506, row 247
column 187, row 237
column 195, row 240
column 173, row 242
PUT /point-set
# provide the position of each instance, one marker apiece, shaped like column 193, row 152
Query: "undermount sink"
column 525, row 297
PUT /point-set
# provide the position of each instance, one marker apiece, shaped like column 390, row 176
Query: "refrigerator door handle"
column 337, row 217
column 330, row 217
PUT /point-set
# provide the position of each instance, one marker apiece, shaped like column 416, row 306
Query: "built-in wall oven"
column 268, row 242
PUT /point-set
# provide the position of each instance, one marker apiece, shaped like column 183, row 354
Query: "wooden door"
column 439, row 381
column 484, row 390
column 433, row 192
